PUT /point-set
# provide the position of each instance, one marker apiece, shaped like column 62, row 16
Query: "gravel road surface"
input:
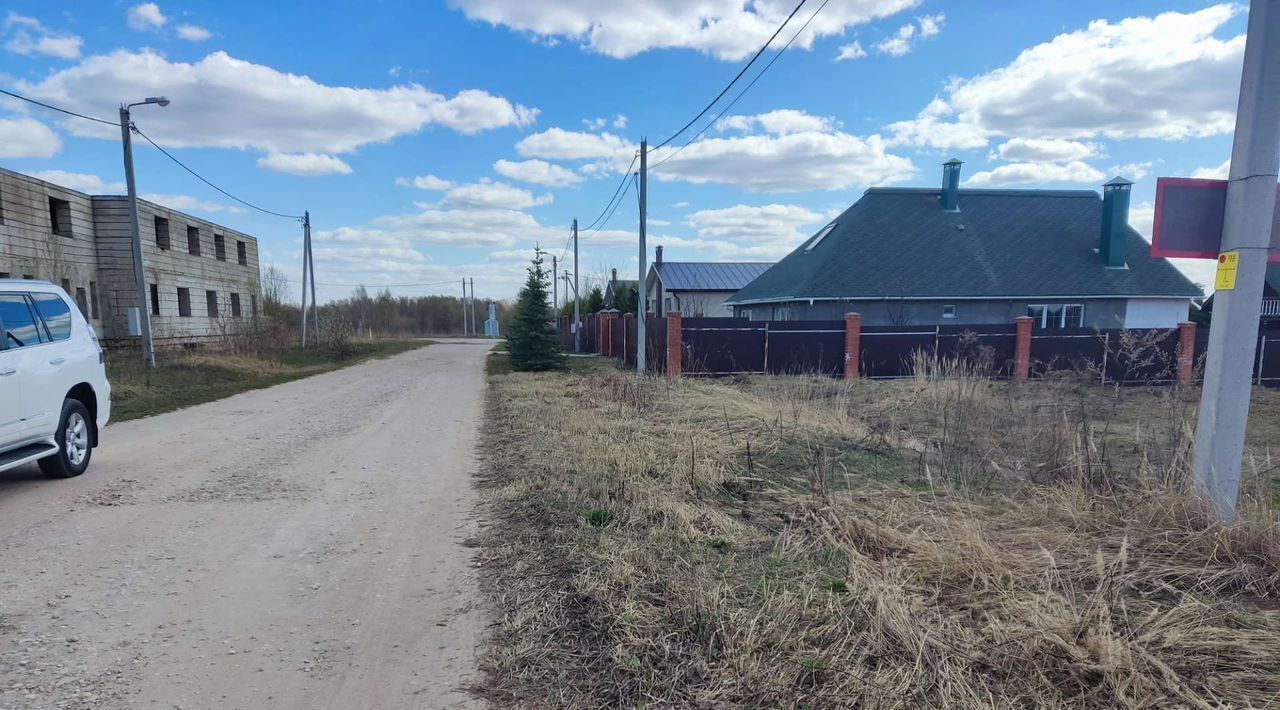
column 294, row 547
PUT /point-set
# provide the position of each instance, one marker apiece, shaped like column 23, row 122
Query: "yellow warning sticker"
column 1226, row 277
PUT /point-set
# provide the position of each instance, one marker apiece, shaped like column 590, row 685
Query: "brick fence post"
column 852, row 345
column 675, row 344
column 1186, row 352
column 1022, row 349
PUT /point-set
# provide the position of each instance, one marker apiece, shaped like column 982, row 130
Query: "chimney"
column 1115, row 222
column 614, row 278
column 657, row 255
column 950, row 197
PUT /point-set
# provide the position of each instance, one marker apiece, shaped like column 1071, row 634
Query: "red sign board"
column 1188, row 220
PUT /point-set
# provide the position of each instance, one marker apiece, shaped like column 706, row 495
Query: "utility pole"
column 465, row 308
column 555, row 290
column 577, row 297
column 471, row 306
column 642, row 291
column 311, row 264
column 306, row 237
column 1246, row 230
column 139, row 273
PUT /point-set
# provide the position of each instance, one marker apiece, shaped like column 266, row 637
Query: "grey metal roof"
column 899, row 242
column 708, row 275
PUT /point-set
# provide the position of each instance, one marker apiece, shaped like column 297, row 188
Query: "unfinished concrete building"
column 202, row 278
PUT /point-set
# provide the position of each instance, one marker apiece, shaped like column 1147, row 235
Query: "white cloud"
column 394, row 71
column 785, row 162
column 32, row 37
column 425, row 182
column 224, row 102
column 853, row 50
column 309, row 164
column 537, row 172
column 559, row 144
column 146, row 16
column 1216, row 172
column 186, row 203
column 193, row 33
column 619, row 121
column 785, row 224
column 1166, row 77
column 82, row 182
column 1133, row 171
column 903, row 41
column 595, row 124
column 27, row 138
column 1045, row 149
column 489, row 195
column 1037, row 174
column 725, row 29
column 780, row 122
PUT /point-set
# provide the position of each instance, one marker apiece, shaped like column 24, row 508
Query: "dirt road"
column 295, row 547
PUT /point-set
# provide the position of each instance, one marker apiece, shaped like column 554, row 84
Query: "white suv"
column 54, row 396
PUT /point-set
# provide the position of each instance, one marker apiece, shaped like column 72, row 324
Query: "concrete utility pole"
column 555, row 290
column 139, row 272
column 642, row 292
column 471, row 306
column 311, row 264
column 465, row 308
column 577, row 297
column 306, row 265
column 1246, row 229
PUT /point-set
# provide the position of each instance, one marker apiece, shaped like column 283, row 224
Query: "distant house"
column 922, row 256
column 611, row 288
column 697, row 288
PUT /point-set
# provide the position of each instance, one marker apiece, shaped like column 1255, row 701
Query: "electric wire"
column 59, row 110
column 625, row 175
column 728, row 86
column 745, row 89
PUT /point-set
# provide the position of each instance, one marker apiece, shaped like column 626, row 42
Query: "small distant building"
column 929, row 256
column 611, row 288
column 202, row 277
column 697, row 288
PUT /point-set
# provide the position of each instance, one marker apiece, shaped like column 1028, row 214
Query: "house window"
column 817, row 238
column 193, row 241
column 235, row 305
column 220, row 247
column 66, row 286
column 60, row 217
column 948, row 311
column 4, row 274
column 1057, row 315
column 666, row 305
column 184, row 302
column 781, row 313
column 93, row 298
column 253, row 305
column 162, row 233
column 82, row 300
column 211, row 303
column 155, row 300
column 242, row 253
column 28, row 277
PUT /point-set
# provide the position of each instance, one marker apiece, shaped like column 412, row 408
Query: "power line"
column 616, row 204
column 377, row 285
column 745, row 89
column 201, row 178
column 728, row 86
column 59, row 110
column 625, row 175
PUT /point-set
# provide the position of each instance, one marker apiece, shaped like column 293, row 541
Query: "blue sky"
column 433, row 141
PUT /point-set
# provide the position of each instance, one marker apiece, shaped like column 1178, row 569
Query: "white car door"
column 22, row 338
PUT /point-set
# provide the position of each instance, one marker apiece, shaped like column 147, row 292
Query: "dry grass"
column 796, row 542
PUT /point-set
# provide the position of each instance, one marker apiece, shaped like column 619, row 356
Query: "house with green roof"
column 951, row 256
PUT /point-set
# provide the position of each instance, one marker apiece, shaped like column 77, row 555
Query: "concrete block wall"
column 174, row 268
column 29, row 247
column 96, row 259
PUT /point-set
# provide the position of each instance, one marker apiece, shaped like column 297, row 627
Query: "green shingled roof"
column 900, row 243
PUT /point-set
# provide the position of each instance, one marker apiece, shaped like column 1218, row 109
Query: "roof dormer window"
column 817, row 238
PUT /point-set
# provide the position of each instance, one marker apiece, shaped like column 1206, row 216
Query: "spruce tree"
column 531, row 339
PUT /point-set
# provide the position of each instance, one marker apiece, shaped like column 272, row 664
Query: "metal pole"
column 642, row 289
column 1246, row 228
column 139, row 273
column 577, row 297
column 311, row 265
column 306, row 235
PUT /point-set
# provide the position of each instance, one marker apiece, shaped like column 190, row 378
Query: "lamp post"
column 139, row 275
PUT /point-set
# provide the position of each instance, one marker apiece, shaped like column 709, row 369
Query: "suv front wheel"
column 75, row 443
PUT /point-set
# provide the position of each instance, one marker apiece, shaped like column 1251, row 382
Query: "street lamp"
column 139, row 275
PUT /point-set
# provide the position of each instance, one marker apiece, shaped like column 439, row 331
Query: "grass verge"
column 796, row 542
column 183, row 379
